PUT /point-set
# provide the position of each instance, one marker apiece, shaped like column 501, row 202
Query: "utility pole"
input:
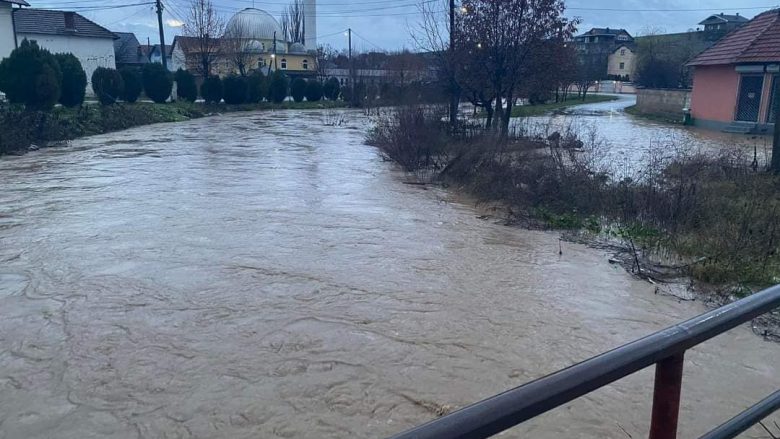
column 351, row 69
column 162, row 34
column 276, row 67
column 451, row 67
column 774, row 167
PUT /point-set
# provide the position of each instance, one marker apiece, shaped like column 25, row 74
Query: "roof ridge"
column 768, row 25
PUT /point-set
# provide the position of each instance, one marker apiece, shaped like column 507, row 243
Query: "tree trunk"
column 489, row 111
column 507, row 116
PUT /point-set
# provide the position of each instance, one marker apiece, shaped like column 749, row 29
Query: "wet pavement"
column 262, row 275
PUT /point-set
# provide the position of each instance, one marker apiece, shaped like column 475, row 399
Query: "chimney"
column 70, row 22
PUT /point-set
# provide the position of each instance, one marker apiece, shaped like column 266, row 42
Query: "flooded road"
column 265, row 275
column 627, row 141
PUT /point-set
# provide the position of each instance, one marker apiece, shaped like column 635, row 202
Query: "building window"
column 306, row 64
column 622, row 66
column 260, row 63
column 622, row 52
column 284, row 64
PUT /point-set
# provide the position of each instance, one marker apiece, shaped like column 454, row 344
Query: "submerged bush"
column 313, row 90
column 185, row 86
column 298, row 89
column 211, row 90
column 158, row 82
column 235, row 90
column 74, row 80
column 131, row 78
column 277, row 89
column 31, row 76
column 107, row 85
column 332, row 89
column 257, row 87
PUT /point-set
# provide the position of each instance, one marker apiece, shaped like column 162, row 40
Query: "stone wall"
column 662, row 101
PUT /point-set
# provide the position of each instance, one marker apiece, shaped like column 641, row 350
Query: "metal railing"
column 665, row 349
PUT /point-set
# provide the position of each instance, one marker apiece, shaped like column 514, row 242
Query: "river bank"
column 711, row 218
column 240, row 276
column 22, row 131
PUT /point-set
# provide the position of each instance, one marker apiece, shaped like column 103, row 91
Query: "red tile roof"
column 755, row 42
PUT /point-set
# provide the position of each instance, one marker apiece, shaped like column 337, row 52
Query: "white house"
column 67, row 32
column 7, row 36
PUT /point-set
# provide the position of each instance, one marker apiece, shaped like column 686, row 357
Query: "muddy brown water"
column 264, row 275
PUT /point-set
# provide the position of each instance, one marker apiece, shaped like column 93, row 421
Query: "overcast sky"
column 387, row 24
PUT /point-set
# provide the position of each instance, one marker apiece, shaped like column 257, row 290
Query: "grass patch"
column 537, row 110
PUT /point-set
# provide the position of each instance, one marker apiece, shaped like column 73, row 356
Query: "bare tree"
column 205, row 26
column 326, row 55
column 292, row 22
column 433, row 35
column 509, row 33
column 238, row 47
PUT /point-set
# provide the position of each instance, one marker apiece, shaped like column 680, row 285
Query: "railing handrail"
column 503, row 411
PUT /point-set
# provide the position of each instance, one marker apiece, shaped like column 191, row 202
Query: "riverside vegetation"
column 714, row 219
column 36, row 81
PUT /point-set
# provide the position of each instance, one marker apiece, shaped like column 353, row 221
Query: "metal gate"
column 749, row 98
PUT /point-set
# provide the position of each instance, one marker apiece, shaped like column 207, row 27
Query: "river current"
column 263, row 275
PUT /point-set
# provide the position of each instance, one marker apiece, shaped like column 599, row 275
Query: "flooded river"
column 624, row 142
column 265, row 275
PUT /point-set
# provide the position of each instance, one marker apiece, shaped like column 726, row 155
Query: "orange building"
column 734, row 80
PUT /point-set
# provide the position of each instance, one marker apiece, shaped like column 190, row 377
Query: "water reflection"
column 266, row 275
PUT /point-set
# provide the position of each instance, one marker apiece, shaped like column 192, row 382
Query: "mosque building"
column 262, row 43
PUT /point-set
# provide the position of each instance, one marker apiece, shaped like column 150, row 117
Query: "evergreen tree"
column 74, row 80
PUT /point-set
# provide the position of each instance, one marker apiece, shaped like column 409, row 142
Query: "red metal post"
column 666, row 398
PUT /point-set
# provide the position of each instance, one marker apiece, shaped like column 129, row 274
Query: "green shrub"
column 332, row 89
column 185, row 85
column 257, row 87
column 74, row 80
column 211, row 90
column 31, row 76
column 235, row 90
column 158, row 82
column 313, row 90
column 298, row 89
column 107, row 85
column 277, row 89
column 131, row 78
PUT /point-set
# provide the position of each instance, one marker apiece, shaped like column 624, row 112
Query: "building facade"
column 8, row 41
column 734, row 80
column 253, row 41
column 67, row 32
column 622, row 63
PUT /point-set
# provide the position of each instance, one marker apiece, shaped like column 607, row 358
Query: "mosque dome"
column 254, row 24
column 297, row 48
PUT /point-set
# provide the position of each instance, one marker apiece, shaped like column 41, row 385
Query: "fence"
column 665, row 349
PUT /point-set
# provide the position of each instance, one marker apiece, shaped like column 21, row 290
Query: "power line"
column 668, row 10
column 367, row 40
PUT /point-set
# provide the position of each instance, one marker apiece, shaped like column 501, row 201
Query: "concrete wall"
column 6, row 30
column 662, row 101
column 714, row 94
column 91, row 52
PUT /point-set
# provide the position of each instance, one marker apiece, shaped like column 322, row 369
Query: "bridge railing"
column 665, row 349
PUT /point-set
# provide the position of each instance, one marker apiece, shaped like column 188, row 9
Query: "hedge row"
column 274, row 88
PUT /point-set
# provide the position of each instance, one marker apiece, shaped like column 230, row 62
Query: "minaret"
column 310, row 24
